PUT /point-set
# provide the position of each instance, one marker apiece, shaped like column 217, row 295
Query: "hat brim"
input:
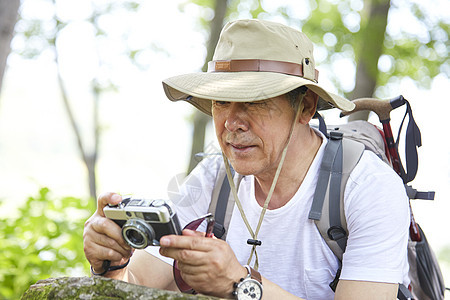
column 200, row 88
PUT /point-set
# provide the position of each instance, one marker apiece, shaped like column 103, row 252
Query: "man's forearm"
column 352, row 289
column 274, row 291
column 145, row 269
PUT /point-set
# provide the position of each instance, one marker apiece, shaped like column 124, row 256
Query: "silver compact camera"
column 144, row 221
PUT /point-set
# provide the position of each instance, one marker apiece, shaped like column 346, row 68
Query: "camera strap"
column 107, row 267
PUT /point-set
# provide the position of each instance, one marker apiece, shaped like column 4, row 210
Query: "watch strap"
column 254, row 274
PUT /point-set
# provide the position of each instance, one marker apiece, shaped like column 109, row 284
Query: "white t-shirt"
column 293, row 254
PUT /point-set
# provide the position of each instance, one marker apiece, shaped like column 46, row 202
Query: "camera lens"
column 137, row 233
column 135, row 237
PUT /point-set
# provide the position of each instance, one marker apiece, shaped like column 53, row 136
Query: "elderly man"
column 261, row 90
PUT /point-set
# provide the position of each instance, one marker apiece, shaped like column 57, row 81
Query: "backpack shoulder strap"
column 222, row 201
column 327, row 210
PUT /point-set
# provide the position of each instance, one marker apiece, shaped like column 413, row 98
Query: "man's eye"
column 221, row 103
column 256, row 103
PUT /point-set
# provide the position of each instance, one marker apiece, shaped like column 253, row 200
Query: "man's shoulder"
column 373, row 166
column 374, row 179
column 372, row 176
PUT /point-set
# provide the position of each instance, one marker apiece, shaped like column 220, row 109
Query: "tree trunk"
column 200, row 119
column 371, row 50
column 97, row 287
column 89, row 157
column 8, row 18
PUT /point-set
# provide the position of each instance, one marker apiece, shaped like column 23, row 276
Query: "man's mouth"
column 241, row 147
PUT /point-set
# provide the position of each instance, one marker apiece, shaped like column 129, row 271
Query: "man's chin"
column 243, row 168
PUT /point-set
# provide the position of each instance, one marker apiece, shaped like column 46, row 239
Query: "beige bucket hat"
column 254, row 60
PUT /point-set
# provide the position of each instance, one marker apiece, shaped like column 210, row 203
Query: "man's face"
column 253, row 134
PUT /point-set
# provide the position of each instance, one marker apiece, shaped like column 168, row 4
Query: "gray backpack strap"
column 327, row 210
column 222, row 202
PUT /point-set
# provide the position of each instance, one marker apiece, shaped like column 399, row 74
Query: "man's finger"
column 198, row 243
column 191, row 257
column 188, row 232
column 104, row 253
column 108, row 242
column 106, row 227
column 188, row 268
column 93, row 239
column 105, row 199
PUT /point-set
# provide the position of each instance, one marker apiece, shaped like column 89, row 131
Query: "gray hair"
column 293, row 96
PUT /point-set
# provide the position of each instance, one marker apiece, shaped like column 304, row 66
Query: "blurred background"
column 82, row 110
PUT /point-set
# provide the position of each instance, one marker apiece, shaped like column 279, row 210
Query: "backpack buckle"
column 336, row 233
column 335, row 135
column 219, row 230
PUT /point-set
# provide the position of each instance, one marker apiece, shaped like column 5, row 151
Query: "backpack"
column 346, row 144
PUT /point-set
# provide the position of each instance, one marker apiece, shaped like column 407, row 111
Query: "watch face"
column 249, row 289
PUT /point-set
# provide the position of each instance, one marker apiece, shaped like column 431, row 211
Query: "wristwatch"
column 249, row 287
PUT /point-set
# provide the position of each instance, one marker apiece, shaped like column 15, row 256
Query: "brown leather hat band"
column 258, row 65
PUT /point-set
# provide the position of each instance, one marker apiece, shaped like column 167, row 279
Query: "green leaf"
column 46, row 240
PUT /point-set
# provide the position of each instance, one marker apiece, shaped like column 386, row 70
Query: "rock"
column 98, row 288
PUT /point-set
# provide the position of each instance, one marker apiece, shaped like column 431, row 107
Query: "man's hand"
column 103, row 239
column 208, row 265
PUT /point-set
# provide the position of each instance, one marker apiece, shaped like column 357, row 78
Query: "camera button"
column 158, row 202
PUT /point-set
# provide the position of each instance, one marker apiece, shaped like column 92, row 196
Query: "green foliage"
column 327, row 30
column 419, row 55
column 253, row 8
column 44, row 240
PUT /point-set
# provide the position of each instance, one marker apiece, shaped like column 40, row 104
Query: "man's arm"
column 146, row 269
column 346, row 290
column 274, row 291
column 351, row 289
column 378, row 218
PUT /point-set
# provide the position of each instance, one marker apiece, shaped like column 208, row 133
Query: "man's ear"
column 310, row 101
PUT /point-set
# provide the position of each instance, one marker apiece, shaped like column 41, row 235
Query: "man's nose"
column 237, row 117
